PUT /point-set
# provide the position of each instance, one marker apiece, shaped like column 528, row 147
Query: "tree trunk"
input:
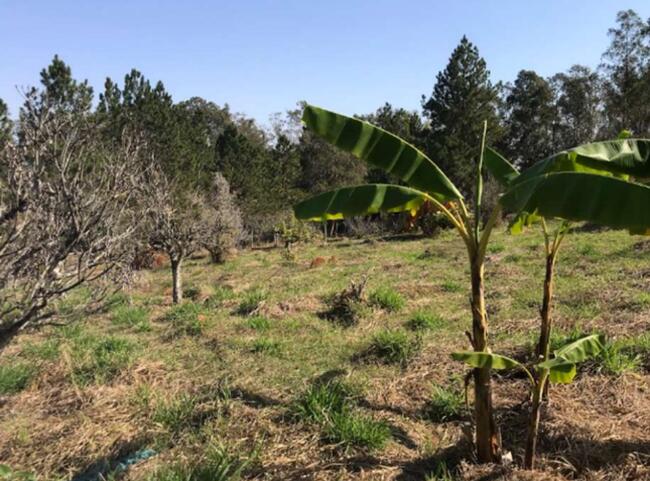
column 533, row 422
column 177, row 285
column 545, row 332
column 488, row 442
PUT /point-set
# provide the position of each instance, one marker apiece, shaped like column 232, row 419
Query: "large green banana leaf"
column 360, row 200
column 485, row 359
column 562, row 368
column 382, row 149
column 502, row 170
column 580, row 196
column 620, row 157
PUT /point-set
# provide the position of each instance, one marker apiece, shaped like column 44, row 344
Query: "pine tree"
column 532, row 119
column 463, row 97
column 5, row 124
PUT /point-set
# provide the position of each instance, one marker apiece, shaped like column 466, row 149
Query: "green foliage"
column 192, row 292
column 425, row 321
column 387, row 298
column 451, row 286
column 259, row 323
column 135, row 317
column 445, row 404
column 616, row 358
column 393, row 347
column 8, row 474
column 99, row 359
column 47, row 350
column 15, row 377
column 251, row 301
column 440, row 473
column 350, row 429
column 185, row 319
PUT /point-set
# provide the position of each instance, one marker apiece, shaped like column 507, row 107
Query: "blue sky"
column 263, row 56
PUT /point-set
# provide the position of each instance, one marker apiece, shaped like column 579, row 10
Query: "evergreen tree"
column 578, row 106
column 463, row 97
column 627, row 68
column 5, row 124
column 531, row 120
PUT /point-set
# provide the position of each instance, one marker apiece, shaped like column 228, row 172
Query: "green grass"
column 192, row 292
column 265, row 345
column 425, row 321
column 218, row 297
column 134, row 317
column 320, row 400
column 444, row 404
column 251, row 302
column 185, row 319
column 99, row 359
column 387, row 298
column 47, row 350
column 215, row 465
column 15, row 377
column 351, row 429
column 258, row 323
column 175, row 414
column 451, row 286
column 615, row 359
column 393, row 346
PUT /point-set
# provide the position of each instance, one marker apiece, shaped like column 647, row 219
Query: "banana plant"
column 426, row 183
column 591, row 182
column 561, row 368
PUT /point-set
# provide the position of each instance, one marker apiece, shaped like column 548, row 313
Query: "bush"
column 393, row 347
column 15, row 377
column 444, row 404
column 251, row 302
column 387, row 298
column 136, row 317
column 352, row 429
column 223, row 220
column 422, row 321
column 185, row 319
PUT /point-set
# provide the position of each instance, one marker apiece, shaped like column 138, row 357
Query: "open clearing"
column 225, row 371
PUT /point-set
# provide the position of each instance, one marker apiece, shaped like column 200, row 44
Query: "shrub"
column 15, row 377
column 444, row 404
column 219, row 295
column 136, row 317
column 258, row 323
column 352, row 429
column 251, row 302
column 223, row 220
column 100, row 359
column 348, row 307
column 422, row 321
column 320, row 400
column 387, row 298
column 185, row 319
column 393, row 347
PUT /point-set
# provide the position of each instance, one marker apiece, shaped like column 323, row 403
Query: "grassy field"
column 262, row 374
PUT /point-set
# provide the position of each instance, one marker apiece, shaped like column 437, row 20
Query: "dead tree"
column 222, row 219
column 67, row 215
column 176, row 226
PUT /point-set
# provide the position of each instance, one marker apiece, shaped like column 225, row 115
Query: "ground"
column 223, row 376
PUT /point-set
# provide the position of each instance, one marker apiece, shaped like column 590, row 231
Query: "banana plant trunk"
column 543, row 348
column 488, row 443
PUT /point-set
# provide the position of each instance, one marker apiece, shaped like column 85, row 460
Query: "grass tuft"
column 444, row 404
column 320, row 400
column 185, row 319
column 251, row 302
column 266, row 345
column 259, row 323
column 99, row 359
column 175, row 414
column 217, row 298
column 387, row 298
column 425, row 321
column 351, row 429
column 215, row 465
column 393, row 347
column 135, row 317
column 15, row 377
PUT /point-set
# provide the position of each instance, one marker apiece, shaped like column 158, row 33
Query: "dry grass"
column 595, row 429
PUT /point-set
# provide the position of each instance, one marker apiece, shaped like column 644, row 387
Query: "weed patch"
column 387, row 298
column 251, row 302
column 185, row 319
column 15, row 377
column 134, row 317
column 392, row 347
column 444, row 404
column 425, row 321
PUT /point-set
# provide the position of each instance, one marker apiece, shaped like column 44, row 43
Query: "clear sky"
column 262, row 56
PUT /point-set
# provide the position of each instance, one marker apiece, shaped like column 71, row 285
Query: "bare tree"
column 176, row 225
column 67, row 214
column 222, row 219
